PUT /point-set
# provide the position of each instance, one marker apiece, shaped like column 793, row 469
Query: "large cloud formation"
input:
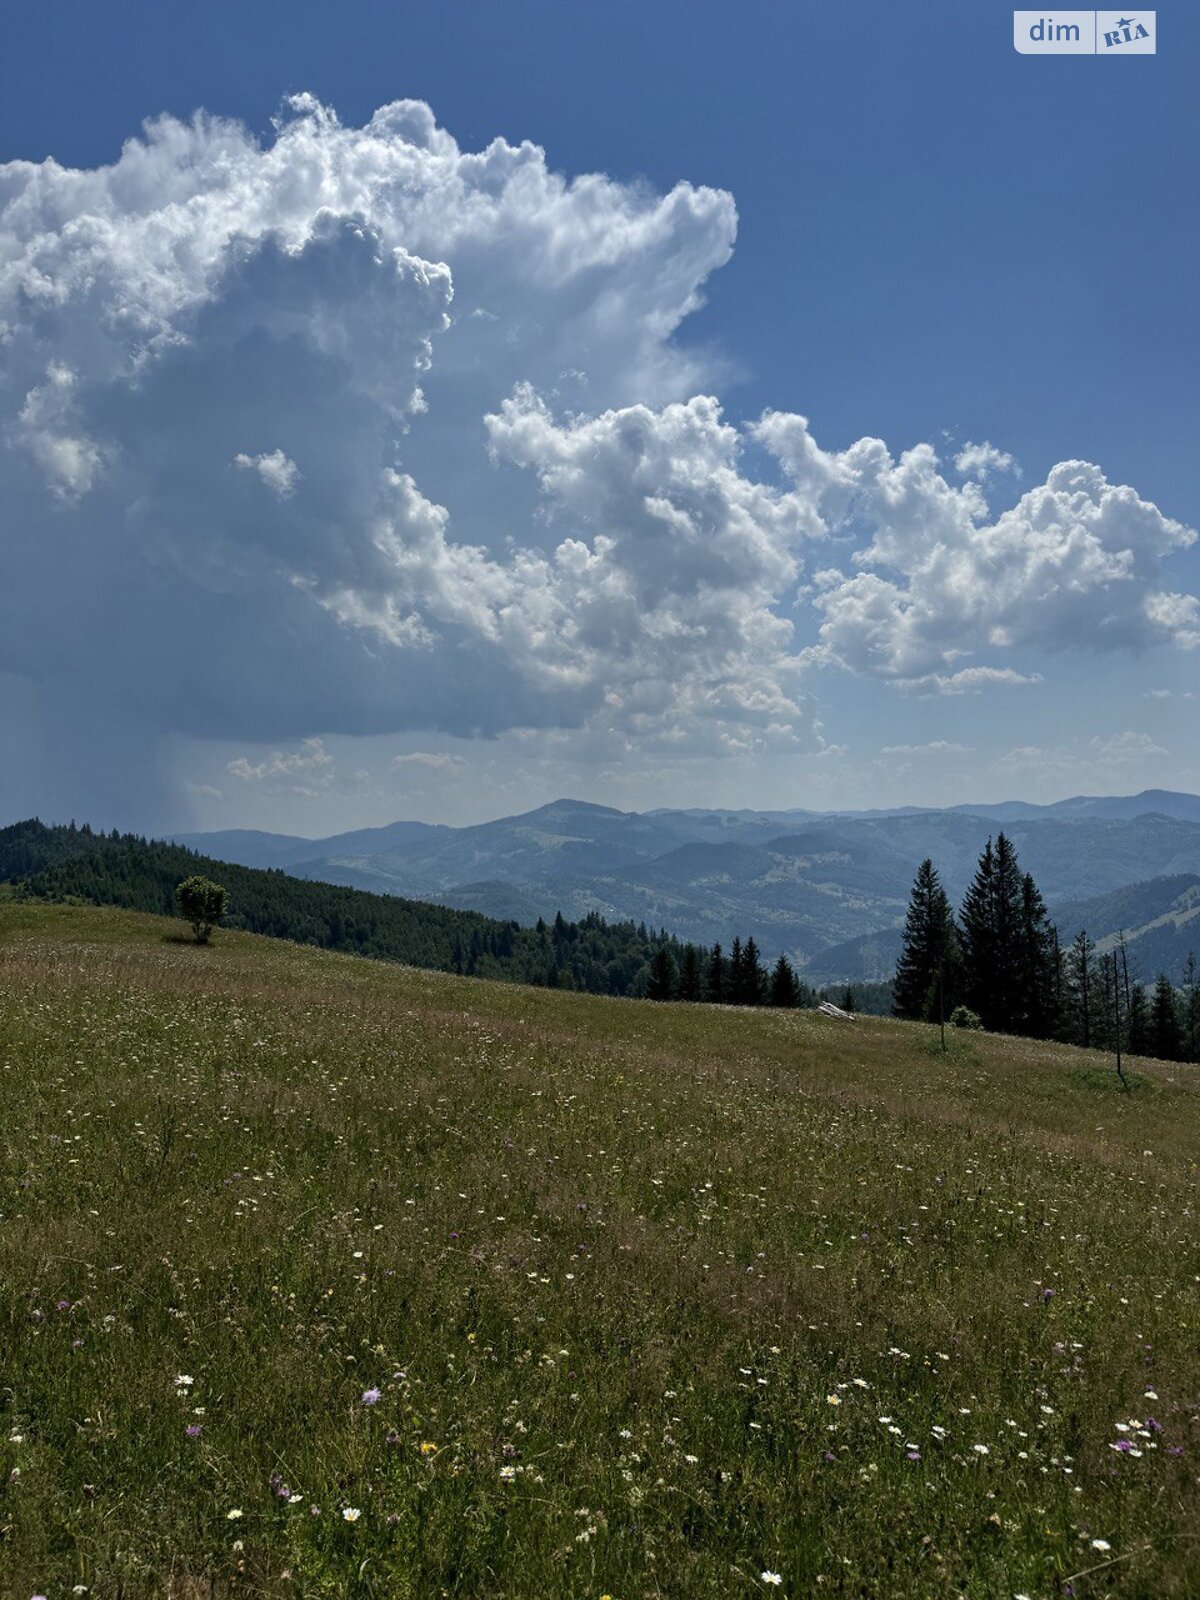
column 355, row 431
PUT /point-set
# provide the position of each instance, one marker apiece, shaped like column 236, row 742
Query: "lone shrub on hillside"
column 964, row 1017
column 203, row 903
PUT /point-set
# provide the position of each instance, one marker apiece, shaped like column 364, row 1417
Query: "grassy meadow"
column 324, row 1277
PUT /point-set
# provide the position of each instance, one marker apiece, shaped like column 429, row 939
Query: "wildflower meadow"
column 327, row 1277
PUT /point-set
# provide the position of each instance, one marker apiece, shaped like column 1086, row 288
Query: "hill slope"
column 323, row 1276
column 1160, row 921
column 138, row 874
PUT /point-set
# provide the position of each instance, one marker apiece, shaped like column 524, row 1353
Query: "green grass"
column 657, row 1299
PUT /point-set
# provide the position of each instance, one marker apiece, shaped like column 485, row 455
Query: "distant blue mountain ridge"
column 830, row 888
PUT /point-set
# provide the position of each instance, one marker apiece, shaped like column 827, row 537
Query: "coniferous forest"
column 592, row 954
column 1000, row 965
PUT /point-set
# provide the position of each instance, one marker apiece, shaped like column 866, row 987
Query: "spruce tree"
column 1164, row 1021
column 929, row 956
column 1010, row 937
column 784, row 989
column 1037, row 965
column 689, row 974
column 663, row 975
column 754, row 979
column 1082, row 981
column 715, row 989
column 978, row 923
column 734, row 977
column 992, row 927
column 1138, row 1027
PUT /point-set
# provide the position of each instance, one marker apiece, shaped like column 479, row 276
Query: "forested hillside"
column 70, row 863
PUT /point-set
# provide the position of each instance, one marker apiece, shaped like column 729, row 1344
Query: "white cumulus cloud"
column 430, row 760
column 1128, row 747
column 311, row 763
column 934, row 747
column 276, row 470
column 984, row 461
column 354, row 431
column 1077, row 562
column 334, row 311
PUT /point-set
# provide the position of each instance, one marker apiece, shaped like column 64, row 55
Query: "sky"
column 431, row 410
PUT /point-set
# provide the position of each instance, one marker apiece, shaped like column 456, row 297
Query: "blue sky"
column 938, row 242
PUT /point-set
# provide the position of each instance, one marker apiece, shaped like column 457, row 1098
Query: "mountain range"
column 829, row 888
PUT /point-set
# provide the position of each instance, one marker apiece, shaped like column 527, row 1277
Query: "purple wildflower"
column 194, row 1430
column 372, row 1397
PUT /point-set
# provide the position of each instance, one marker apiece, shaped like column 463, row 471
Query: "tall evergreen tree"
column 1164, row 1021
column 716, row 986
column 664, row 975
column 927, row 973
column 978, row 924
column 1138, row 1028
column 1037, row 965
column 754, row 979
column 784, row 989
column 689, row 974
column 734, row 976
column 992, row 928
column 1082, row 990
